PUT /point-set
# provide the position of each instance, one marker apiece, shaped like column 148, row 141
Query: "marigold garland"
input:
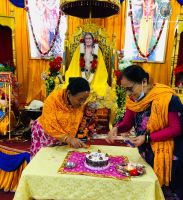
column 178, row 69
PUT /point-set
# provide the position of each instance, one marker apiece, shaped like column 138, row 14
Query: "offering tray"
column 131, row 169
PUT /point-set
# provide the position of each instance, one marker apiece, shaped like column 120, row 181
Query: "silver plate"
column 70, row 165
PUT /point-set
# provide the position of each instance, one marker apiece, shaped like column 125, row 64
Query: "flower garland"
column 94, row 62
column 34, row 37
column 178, row 69
column 135, row 39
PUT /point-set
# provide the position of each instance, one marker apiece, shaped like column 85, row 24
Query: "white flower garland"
column 95, row 52
column 95, row 49
column 90, row 79
column 82, row 48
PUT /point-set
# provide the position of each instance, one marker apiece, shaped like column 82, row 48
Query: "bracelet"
column 147, row 138
column 65, row 138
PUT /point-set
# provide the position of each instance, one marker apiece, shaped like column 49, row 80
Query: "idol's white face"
column 88, row 40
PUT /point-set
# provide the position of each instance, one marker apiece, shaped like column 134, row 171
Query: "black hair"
column 77, row 85
column 135, row 73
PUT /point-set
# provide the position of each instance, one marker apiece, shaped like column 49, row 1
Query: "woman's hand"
column 138, row 141
column 76, row 143
column 112, row 135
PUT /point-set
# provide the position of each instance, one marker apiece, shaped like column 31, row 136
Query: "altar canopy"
column 90, row 8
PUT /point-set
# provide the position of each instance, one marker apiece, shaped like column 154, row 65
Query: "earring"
column 68, row 99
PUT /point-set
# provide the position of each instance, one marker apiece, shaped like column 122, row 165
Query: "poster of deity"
column 47, row 27
column 146, row 30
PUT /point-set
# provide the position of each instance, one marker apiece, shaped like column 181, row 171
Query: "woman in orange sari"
column 155, row 112
column 61, row 117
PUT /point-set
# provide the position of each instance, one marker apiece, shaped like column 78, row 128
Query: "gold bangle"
column 147, row 139
column 65, row 138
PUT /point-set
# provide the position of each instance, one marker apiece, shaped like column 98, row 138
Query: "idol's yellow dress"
column 99, row 82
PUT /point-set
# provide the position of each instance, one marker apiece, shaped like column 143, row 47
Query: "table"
column 33, row 114
column 41, row 180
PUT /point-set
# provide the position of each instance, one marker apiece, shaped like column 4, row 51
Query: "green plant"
column 121, row 101
column 6, row 68
column 52, row 74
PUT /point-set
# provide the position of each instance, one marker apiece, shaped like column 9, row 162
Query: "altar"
column 41, row 180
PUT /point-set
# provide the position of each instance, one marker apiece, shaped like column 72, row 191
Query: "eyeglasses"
column 88, row 38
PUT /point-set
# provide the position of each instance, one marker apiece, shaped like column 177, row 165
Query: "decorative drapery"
column 18, row 3
column 29, row 70
column 10, row 163
column 180, row 1
column 10, row 169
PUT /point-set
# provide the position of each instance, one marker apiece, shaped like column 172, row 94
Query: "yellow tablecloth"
column 41, row 180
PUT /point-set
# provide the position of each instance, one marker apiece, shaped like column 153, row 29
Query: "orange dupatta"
column 160, row 97
column 58, row 118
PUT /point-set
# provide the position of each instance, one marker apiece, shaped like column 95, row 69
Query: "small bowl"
column 70, row 165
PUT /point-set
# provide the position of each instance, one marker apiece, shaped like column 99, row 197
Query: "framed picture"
column 46, row 23
column 146, row 30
